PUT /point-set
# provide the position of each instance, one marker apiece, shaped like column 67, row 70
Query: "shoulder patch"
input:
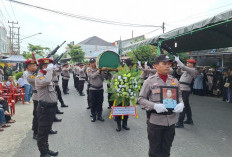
column 89, row 70
column 41, row 77
column 32, row 76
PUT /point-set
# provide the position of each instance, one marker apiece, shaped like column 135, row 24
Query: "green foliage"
column 143, row 53
column 18, row 75
column 125, row 85
column 42, row 51
column 76, row 53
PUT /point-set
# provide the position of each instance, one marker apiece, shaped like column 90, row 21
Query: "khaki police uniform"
column 96, row 91
column 46, row 108
column 87, row 90
column 160, row 126
column 65, row 79
column 76, row 77
column 82, row 78
column 185, row 87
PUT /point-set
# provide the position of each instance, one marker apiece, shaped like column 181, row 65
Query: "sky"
column 56, row 28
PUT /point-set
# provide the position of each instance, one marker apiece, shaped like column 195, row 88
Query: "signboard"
column 120, row 110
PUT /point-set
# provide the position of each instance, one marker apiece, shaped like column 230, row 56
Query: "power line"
column 13, row 11
column 84, row 17
column 6, row 10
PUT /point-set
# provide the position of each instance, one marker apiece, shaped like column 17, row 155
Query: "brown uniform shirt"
column 76, row 71
column 95, row 79
column 31, row 80
column 65, row 73
column 45, row 87
column 150, row 94
column 55, row 77
column 82, row 74
column 186, row 77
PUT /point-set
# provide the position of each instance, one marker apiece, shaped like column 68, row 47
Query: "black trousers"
column 45, row 119
column 96, row 100
column 160, row 139
column 187, row 109
column 88, row 96
column 57, row 88
column 119, row 120
column 35, row 118
column 76, row 80
column 81, row 85
column 65, row 85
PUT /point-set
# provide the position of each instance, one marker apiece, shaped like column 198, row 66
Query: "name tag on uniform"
column 157, row 91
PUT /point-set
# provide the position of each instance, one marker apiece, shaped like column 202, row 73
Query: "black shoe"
column 88, row 107
column 125, row 127
column 63, row 105
column 82, row 94
column 52, row 132
column 100, row 119
column 53, row 153
column 57, row 120
column 91, row 115
column 178, row 125
column 190, row 122
column 59, row 112
column 118, row 129
column 93, row 119
column 66, row 93
column 45, row 155
column 35, row 136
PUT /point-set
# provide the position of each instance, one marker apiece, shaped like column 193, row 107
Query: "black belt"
column 97, row 87
column 185, row 83
column 46, row 104
column 55, row 81
column 34, row 91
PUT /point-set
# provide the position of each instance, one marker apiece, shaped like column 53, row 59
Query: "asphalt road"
column 211, row 136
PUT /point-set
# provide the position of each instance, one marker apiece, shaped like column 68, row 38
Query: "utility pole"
column 14, row 38
column 163, row 27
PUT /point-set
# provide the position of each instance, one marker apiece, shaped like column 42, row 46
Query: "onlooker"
column 5, row 107
column 27, row 87
column 7, row 71
column 11, row 81
column 1, row 73
column 229, row 93
column 225, row 87
column 21, row 82
column 210, row 81
column 198, row 83
column 2, row 120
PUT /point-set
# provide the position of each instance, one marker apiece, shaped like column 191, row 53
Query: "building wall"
column 3, row 40
column 89, row 49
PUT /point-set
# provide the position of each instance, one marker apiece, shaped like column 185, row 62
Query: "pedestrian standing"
column 27, row 87
column 47, row 105
column 65, row 78
column 82, row 78
column 188, row 73
column 96, row 91
column 32, row 67
column 160, row 121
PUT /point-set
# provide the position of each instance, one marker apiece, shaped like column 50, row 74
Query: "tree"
column 76, row 53
column 145, row 53
column 37, row 49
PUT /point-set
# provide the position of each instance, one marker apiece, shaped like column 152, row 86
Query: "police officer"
column 65, row 78
column 57, row 87
column 87, row 90
column 31, row 68
column 76, row 75
column 160, row 121
column 96, row 91
column 47, row 105
column 185, row 86
column 82, row 78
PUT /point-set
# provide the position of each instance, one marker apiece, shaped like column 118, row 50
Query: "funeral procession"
column 115, row 78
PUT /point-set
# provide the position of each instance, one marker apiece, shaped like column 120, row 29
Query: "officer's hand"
column 160, row 108
column 49, row 67
column 177, row 58
column 179, row 108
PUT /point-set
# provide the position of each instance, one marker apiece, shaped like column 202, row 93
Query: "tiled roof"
column 95, row 41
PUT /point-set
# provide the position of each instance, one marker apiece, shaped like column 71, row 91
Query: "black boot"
column 53, row 153
column 88, row 107
column 59, row 112
column 52, row 132
column 93, row 118
column 124, row 123
column 99, row 117
column 82, row 94
column 45, row 155
column 179, row 125
column 63, row 105
column 35, row 136
column 190, row 122
column 119, row 127
column 57, row 120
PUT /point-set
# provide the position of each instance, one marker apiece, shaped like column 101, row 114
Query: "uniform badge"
column 173, row 82
column 157, row 91
column 156, row 84
column 41, row 77
column 89, row 70
column 32, row 76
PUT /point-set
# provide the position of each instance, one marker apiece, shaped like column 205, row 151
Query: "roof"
column 95, row 41
column 211, row 33
column 14, row 59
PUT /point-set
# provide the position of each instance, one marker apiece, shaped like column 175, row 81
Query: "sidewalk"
column 11, row 138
